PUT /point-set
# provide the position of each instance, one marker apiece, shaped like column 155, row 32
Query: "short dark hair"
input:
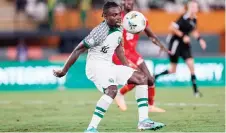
column 109, row 4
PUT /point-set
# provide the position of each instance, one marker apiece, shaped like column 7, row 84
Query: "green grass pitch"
column 71, row 111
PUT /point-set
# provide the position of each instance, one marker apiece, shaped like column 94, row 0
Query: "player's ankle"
column 90, row 127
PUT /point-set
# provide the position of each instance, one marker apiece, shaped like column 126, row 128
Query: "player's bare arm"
column 179, row 33
column 71, row 60
column 197, row 36
column 154, row 39
column 121, row 55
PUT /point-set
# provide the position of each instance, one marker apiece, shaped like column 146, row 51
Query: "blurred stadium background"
column 36, row 36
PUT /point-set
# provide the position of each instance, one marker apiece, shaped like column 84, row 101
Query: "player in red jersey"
column 136, row 61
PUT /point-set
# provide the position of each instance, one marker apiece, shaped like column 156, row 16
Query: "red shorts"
column 133, row 57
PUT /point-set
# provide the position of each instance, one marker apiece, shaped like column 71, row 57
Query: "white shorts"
column 105, row 75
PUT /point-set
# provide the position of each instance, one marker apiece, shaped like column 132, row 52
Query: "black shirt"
column 185, row 24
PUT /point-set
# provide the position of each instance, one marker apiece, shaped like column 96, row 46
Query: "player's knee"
column 111, row 91
column 151, row 81
column 138, row 78
column 142, row 80
column 172, row 70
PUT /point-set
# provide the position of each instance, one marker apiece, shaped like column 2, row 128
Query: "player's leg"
column 105, row 80
column 172, row 69
column 128, row 87
column 119, row 99
column 133, row 59
column 141, row 93
column 125, row 88
column 151, row 88
column 102, row 106
column 175, row 52
column 190, row 63
column 130, row 76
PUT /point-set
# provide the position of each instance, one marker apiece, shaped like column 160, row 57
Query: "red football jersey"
column 130, row 40
column 130, row 44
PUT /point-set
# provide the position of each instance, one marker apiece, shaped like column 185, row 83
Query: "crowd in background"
column 39, row 10
column 42, row 11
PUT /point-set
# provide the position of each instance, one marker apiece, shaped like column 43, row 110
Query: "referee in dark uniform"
column 179, row 42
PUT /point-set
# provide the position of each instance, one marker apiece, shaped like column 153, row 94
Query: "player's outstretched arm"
column 197, row 36
column 155, row 40
column 121, row 55
column 174, row 28
column 71, row 60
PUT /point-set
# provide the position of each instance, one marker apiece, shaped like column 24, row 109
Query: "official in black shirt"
column 179, row 42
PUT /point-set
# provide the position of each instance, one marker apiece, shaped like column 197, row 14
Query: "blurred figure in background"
column 38, row 11
column 19, row 12
column 179, row 43
column 174, row 6
column 22, row 50
column 51, row 7
column 85, row 6
column 142, row 4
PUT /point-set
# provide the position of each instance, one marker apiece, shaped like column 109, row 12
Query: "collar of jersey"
column 112, row 29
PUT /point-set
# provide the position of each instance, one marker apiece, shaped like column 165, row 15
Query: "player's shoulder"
column 186, row 16
column 97, row 35
column 104, row 29
column 182, row 17
column 101, row 28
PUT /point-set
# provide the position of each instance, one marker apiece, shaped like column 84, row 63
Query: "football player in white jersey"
column 102, row 42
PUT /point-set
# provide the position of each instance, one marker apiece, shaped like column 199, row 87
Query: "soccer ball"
column 134, row 22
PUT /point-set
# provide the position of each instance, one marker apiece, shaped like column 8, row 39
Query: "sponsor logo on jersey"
column 104, row 49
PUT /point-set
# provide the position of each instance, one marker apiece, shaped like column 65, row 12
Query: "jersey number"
column 104, row 49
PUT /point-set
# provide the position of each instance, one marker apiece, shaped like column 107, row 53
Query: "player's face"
column 113, row 16
column 193, row 7
column 128, row 4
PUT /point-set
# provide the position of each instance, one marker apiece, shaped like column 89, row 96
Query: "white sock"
column 101, row 107
column 141, row 94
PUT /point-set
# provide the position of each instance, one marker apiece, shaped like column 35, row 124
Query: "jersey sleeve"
column 92, row 39
column 96, row 36
column 178, row 23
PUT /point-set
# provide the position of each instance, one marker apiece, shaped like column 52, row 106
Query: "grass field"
column 71, row 111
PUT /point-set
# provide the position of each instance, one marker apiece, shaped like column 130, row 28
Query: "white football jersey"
column 102, row 42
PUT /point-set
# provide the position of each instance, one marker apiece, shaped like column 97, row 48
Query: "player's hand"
column 186, row 39
column 162, row 48
column 202, row 44
column 59, row 73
